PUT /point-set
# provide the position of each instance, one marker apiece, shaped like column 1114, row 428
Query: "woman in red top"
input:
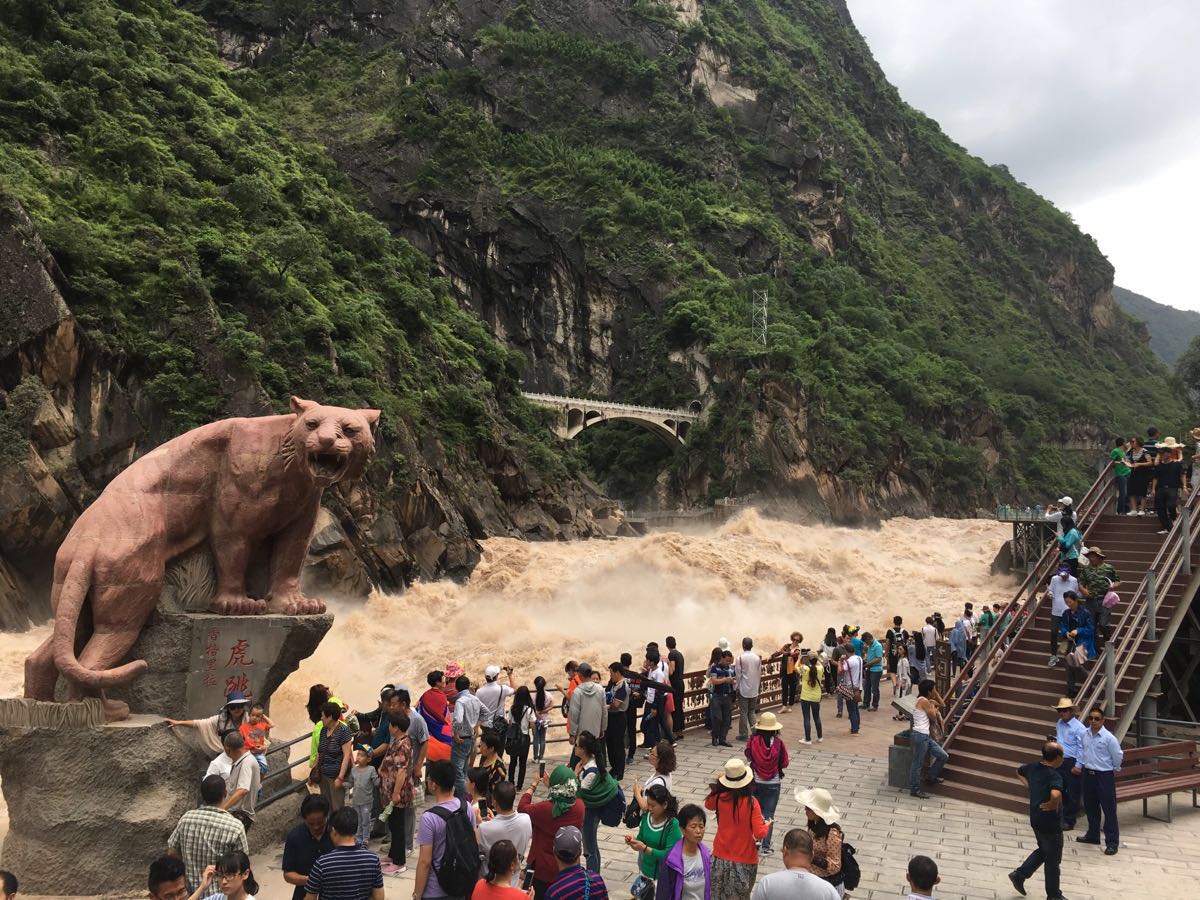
column 739, row 825
column 562, row 809
column 501, row 870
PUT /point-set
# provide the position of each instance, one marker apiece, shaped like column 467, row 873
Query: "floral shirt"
column 397, row 760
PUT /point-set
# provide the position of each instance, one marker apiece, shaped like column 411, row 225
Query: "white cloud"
column 1092, row 103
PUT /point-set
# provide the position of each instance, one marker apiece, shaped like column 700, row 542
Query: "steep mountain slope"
column 605, row 182
column 1170, row 329
column 210, row 264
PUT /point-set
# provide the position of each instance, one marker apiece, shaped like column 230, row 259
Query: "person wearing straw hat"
column 1169, row 480
column 739, row 825
column 1069, row 732
column 768, row 758
column 824, row 824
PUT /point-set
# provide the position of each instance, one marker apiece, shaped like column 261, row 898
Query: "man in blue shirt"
column 1045, row 798
column 1077, row 626
column 573, row 881
column 1069, row 731
column 1101, row 757
column 874, row 670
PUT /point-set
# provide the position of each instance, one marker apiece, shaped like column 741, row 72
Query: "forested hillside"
column 422, row 205
column 1170, row 329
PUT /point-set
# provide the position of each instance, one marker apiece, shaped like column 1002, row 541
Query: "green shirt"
column 1096, row 579
column 1120, row 466
column 658, row 841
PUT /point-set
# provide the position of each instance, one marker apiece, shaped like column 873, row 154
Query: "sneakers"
column 1018, row 883
column 1110, row 851
column 820, row 739
column 1053, row 662
column 1141, row 512
column 838, row 716
column 394, row 871
column 806, row 742
column 724, row 744
column 920, row 795
column 1163, row 530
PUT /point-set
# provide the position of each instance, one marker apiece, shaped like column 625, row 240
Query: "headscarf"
column 563, row 788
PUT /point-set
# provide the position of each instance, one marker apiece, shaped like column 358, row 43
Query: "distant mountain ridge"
column 1171, row 329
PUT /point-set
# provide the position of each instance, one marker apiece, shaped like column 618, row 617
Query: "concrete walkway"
column 975, row 846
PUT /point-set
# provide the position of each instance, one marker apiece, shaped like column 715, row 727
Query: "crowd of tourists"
column 500, row 819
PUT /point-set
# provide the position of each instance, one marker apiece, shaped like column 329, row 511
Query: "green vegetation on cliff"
column 938, row 320
column 925, row 305
column 210, row 250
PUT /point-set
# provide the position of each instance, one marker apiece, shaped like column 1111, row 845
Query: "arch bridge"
column 672, row 425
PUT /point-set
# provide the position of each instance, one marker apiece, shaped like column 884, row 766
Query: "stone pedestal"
column 195, row 659
column 89, row 808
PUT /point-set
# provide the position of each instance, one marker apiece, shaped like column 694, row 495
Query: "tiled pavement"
column 975, row 847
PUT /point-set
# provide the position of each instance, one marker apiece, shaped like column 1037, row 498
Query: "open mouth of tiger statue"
column 327, row 466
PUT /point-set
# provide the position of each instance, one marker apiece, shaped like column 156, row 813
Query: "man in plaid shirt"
column 203, row 835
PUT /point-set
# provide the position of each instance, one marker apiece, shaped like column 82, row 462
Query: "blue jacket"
column 1080, row 622
column 1069, row 544
column 958, row 641
column 670, row 874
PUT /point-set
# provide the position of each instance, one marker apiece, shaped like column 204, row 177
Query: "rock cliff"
column 73, row 416
column 604, row 184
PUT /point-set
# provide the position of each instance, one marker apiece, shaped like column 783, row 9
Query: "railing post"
column 1110, row 687
column 1186, row 526
column 1151, row 606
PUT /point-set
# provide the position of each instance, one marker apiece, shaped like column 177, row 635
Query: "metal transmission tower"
column 758, row 316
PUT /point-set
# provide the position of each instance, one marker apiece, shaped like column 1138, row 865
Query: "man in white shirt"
column 242, row 777
column 506, row 825
column 493, row 695
column 748, row 670
column 922, row 877
column 796, row 882
column 1058, row 587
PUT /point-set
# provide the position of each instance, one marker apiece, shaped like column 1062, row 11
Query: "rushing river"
column 535, row 605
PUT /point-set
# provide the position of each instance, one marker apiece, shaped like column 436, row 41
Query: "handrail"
column 1131, row 629
column 995, row 648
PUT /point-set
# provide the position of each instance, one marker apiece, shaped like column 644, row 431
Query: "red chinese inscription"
column 240, row 682
column 238, row 654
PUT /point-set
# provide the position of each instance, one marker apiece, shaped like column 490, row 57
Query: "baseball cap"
column 491, row 671
column 1064, row 570
column 568, row 842
column 1066, row 501
column 235, row 698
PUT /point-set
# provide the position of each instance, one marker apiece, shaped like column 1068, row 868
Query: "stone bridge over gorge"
column 575, row 415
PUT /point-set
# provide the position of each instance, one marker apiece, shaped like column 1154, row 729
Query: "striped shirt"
column 571, row 884
column 201, row 837
column 345, row 873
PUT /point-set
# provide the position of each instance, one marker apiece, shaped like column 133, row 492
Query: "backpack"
column 458, row 869
column 614, row 810
column 512, row 738
column 851, row 874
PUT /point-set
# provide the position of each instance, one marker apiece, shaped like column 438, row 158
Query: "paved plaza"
column 975, row 847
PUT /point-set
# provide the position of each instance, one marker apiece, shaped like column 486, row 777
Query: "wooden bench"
column 1159, row 770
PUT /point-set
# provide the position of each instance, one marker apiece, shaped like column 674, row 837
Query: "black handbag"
column 633, row 814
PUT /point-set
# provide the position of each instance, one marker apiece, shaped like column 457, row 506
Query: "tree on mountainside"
column 1187, row 370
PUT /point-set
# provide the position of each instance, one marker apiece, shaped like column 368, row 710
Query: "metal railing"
column 1139, row 622
column 695, row 708
column 1019, row 614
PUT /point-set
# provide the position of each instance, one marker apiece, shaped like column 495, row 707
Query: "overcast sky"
column 1092, row 103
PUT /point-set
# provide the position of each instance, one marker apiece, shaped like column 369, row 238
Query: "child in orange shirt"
column 256, row 731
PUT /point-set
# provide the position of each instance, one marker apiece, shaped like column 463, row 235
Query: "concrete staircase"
column 1006, row 725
